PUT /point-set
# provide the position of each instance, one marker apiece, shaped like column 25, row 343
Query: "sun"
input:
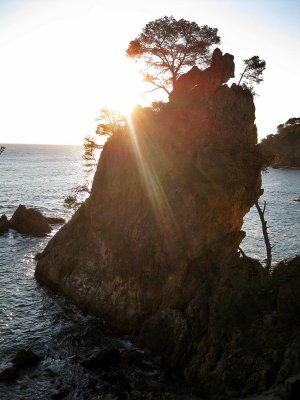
column 123, row 89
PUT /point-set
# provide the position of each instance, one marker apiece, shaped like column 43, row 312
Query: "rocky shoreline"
column 93, row 365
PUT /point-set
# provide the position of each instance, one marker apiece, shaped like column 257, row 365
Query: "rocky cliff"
column 154, row 248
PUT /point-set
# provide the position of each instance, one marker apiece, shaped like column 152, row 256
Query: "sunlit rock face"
column 166, row 209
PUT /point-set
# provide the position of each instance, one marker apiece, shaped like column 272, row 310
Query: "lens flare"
column 155, row 190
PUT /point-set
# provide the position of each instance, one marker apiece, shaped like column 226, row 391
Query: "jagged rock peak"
column 196, row 83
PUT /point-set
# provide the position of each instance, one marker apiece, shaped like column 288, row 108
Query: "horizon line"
column 41, row 144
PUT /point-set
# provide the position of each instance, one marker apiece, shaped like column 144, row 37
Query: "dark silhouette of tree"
column 90, row 145
column 158, row 106
column 110, row 123
column 168, row 47
column 283, row 148
column 71, row 202
column 2, row 148
column 253, row 73
column 89, row 164
column 291, row 122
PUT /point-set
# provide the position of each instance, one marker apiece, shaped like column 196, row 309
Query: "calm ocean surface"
column 31, row 316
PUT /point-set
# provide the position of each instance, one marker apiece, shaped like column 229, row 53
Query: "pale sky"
column 62, row 60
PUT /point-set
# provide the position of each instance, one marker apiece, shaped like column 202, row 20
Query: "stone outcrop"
column 4, row 224
column 24, row 358
column 154, row 248
column 197, row 83
column 247, row 327
column 29, row 221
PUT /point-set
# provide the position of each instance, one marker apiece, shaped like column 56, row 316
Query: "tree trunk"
column 261, row 213
column 242, row 75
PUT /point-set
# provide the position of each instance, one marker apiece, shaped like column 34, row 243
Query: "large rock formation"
column 154, row 248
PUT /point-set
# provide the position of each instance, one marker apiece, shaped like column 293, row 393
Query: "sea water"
column 33, row 317
column 282, row 213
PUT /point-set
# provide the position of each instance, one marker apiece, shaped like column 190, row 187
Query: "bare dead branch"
column 265, row 234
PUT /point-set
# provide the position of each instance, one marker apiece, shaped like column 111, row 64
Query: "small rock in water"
column 8, row 374
column 103, row 359
column 4, row 224
column 29, row 221
column 25, row 358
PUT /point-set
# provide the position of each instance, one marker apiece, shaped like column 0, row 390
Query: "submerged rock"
column 154, row 248
column 29, row 221
column 9, row 374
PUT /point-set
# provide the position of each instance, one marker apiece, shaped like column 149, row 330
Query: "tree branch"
column 157, row 87
column 265, row 234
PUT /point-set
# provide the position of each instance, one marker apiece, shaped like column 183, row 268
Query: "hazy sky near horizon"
column 62, row 60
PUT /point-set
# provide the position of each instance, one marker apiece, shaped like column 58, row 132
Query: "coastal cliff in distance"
column 154, row 248
column 283, row 149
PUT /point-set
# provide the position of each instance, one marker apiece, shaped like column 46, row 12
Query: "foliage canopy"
column 252, row 73
column 283, row 148
column 110, row 123
column 168, row 46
